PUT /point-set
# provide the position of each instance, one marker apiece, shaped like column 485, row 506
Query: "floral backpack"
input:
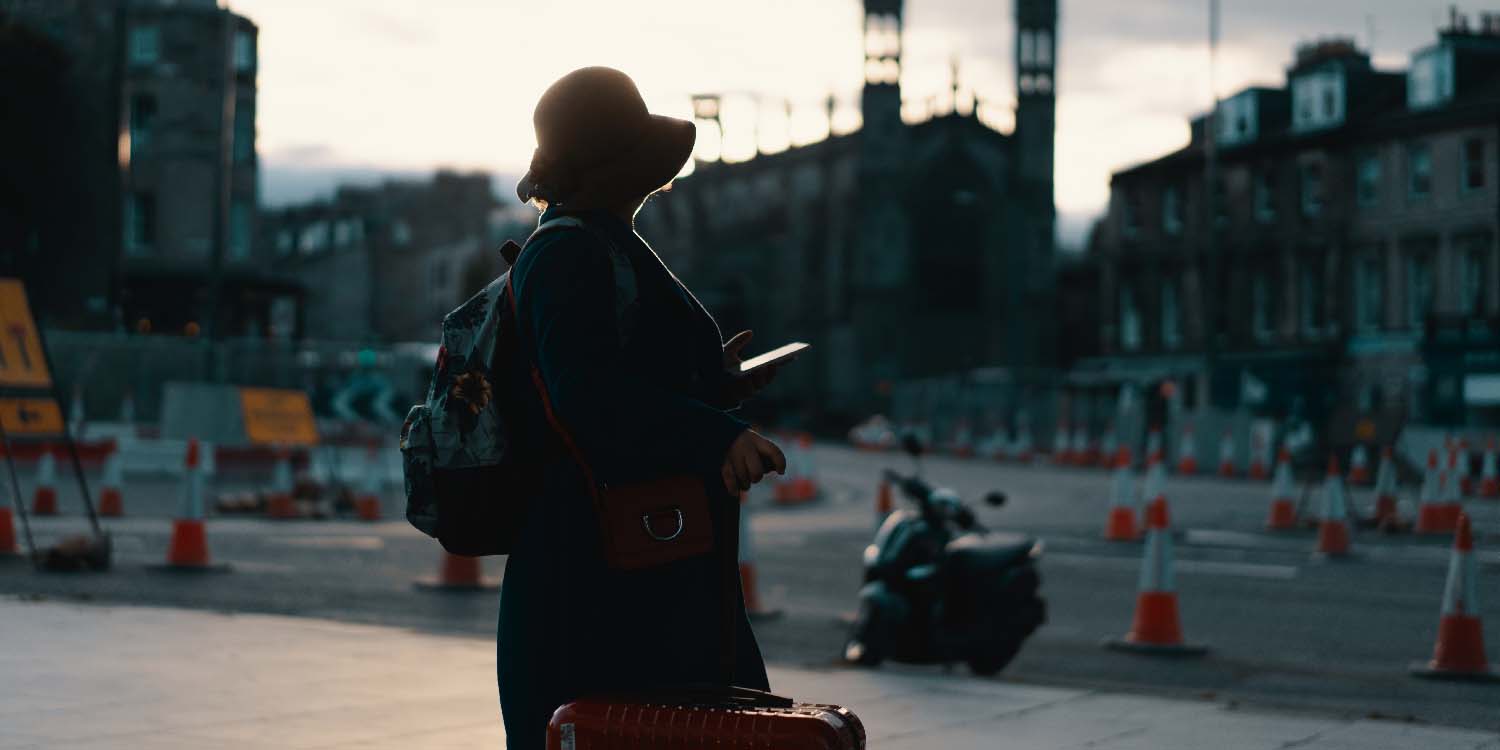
column 468, row 480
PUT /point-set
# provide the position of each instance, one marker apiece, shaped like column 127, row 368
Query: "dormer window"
column 1429, row 83
column 1318, row 100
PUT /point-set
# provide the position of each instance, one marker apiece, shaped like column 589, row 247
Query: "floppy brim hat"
column 598, row 146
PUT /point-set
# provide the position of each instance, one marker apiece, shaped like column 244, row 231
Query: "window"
column 1028, row 49
column 244, row 52
column 240, row 226
column 1221, row 203
column 142, row 118
column 314, row 238
column 140, row 222
column 1418, row 170
column 1367, row 189
column 1429, row 82
column 400, row 232
column 1130, row 320
column 1261, row 308
column 1130, row 215
column 1265, row 205
column 1310, row 295
column 1369, row 283
column 1171, row 329
column 1471, row 284
column 1318, row 100
column 1312, row 189
column 284, row 243
column 1043, row 48
column 244, row 133
column 145, row 45
column 1171, row 211
column 1473, row 173
column 1418, row 289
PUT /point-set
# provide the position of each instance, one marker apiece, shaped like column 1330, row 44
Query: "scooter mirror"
column 911, row 444
column 996, row 499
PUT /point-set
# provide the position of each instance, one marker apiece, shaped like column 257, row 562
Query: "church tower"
column 880, row 101
column 1036, row 92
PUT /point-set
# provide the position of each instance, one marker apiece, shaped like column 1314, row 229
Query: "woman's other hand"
column 740, row 386
column 750, row 458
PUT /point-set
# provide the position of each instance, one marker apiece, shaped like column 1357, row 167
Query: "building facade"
column 1354, row 217
column 157, row 189
column 384, row 263
column 900, row 250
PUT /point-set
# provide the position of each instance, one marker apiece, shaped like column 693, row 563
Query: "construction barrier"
column 7, row 533
column 458, row 573
column 754, row 608
column 1464, row 487
column 367, row 502
column 1062, row 453
column 44, row 496
column 112, row 487
column 1459, row 652
column 1109, row 445
column 1259, row 470
column 1025, row 449
column 1156, row 627
column 280, row 504
column 1283, row 515
column 1333, row 521
column 1120, row 526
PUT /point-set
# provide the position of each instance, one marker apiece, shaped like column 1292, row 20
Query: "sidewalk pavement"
column 81, row 676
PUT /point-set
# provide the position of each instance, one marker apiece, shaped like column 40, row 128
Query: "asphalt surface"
column 1285, row 629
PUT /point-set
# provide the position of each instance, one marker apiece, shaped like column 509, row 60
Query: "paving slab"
column 76, row 676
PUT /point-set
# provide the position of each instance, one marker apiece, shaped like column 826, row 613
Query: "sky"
column 355, row 89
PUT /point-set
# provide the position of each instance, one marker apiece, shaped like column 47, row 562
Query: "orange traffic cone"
column 1025, row 450
column 1359, row 465
column 458, row 573
column 1489, row 474
column 367, row 504
column 44, row 497
column 1283, row 516
column 1187, row 453
column 884, row 503
column 188, row 550
column 1153, row 442
column 799, row 485
column 1386, row 513
column 1258, row 470
column 1080, row 448
column 1459, row 653
column 279, row 502
column 1108, row 447
column 1460, row 469
column 1227, row 469
column 112, row 486
column 1432, row 515
column 1156, row 628
column 1062, row 452
column 753, row 607
column 1121, row 524
column 1333, row 525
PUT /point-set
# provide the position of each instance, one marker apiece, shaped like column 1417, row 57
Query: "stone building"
column 900, row 250
column 154, row 111
column 1354, row 216
column 386, row 262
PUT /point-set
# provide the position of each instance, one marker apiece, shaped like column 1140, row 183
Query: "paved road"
column 1286, row 630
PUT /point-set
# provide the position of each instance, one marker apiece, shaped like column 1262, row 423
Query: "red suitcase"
column 740, row 718
column 721, row 718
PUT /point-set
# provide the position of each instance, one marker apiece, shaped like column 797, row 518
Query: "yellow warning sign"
column 276, row 416
column 30, row 417
column 22, row 364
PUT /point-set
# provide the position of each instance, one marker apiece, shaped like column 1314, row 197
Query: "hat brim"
column 659, row 151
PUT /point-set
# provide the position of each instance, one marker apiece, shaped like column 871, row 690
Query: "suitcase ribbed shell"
column 593, row 724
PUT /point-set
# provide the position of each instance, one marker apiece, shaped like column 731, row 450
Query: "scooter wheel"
column 863, row 647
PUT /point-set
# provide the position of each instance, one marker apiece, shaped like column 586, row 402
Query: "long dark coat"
column 570, row 626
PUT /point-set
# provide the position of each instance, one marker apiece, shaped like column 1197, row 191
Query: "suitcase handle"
column 714, row 695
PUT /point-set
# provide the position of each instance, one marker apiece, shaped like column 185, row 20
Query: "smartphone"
column 774, row 356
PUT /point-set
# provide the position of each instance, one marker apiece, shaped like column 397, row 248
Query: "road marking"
column 1192, row 567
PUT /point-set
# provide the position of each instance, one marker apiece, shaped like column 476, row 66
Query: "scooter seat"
column 977, row 554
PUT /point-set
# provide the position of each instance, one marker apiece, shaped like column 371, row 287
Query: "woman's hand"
column 740, row 386
column 749, row 459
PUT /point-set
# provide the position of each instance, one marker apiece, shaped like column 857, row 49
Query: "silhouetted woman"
column 648, row 402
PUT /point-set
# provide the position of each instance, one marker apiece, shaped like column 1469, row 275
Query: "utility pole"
column 223, row 195
column 1210, row 291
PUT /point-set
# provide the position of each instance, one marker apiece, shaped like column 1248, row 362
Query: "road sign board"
column 22, row 363
column 277, row 416
column 30, row 417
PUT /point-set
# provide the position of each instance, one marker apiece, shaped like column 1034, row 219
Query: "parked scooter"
column 941, row 588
